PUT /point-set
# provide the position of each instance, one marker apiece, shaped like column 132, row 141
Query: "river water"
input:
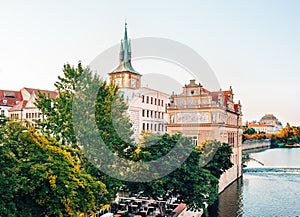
column 271, row 189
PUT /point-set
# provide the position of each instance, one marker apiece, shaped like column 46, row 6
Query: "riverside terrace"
column 137, row 206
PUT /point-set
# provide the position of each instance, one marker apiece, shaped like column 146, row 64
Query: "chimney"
column 192, row 81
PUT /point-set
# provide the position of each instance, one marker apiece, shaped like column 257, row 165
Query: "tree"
column 40, row 177
column 192, row 182
column 82, row 92
column 220, row 161
column 288, row 135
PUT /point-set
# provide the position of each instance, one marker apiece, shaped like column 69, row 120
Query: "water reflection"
column 270, row 190
column 229, row 202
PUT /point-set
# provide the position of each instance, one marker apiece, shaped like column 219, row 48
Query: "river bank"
column 269, row 190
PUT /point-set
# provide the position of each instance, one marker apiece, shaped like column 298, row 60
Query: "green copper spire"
column 125, row 55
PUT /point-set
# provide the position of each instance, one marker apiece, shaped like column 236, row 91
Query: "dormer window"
column 5, row 102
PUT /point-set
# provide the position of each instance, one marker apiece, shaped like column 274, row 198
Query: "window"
column 143, row 113
column 147, row 126
column 155, row 114
column 154, row 127
column 162, row 115
column 147, row 113
column 158, row 102
column 194, row 140
column 151, row 100
column 147, row 99
column 143, row 98
column 2, row 112
column 151, row 114
column 158, row 114
column 143, row 126
column 151, row 126
column 162, row 103
column 155, row 101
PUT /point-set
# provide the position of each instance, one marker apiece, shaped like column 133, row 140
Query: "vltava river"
column 269, row 190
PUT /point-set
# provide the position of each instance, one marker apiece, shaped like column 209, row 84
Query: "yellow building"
column 205, row 115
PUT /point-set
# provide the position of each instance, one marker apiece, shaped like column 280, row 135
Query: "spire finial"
column 125, row 33
column 125, row 54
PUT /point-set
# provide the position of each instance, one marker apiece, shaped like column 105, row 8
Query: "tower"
column 124, row 75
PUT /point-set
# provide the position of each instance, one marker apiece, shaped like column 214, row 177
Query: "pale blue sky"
column 254, row 46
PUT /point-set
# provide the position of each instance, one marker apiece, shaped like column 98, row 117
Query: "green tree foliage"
column 220, row 161
column 249, row 131
column 57, row 111
column 81, row 90
column 193, row 182
column 40, row 177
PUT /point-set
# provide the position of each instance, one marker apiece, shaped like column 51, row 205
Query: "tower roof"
column 125, row 55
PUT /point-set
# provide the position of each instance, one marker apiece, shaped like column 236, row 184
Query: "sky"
column 253, row 46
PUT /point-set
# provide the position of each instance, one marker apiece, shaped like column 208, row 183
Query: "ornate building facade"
column 147, row 108
column 205, row 115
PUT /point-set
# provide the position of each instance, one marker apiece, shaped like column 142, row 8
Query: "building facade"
column 267, row 128
column 268, row 124
column 147, row 108
column 9, row 99
column 270, row 119
column 26, row 109
column 205, row 115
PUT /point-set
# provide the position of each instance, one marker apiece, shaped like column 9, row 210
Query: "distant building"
column 9, row 99
column 147, row 108
column 266, row 128
column 270, row 119
column 268, row 124
column 25, row 109
column 204, row 115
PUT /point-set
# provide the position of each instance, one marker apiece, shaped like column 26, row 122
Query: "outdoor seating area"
column 144, row 206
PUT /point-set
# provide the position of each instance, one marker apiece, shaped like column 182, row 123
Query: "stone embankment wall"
column 254, row 144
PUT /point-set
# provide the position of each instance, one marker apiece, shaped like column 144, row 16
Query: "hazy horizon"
column 251, row 46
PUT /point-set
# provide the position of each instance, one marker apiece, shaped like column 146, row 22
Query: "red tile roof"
column 36, row 91
column 179, row 209
column 259, row 125
column 215, row 95
column 20, row 106
column 11, row 97
column 236, row 106
column 204, row 90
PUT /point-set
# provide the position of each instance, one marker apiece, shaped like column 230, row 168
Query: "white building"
column 26, row 109
column 147, row 107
